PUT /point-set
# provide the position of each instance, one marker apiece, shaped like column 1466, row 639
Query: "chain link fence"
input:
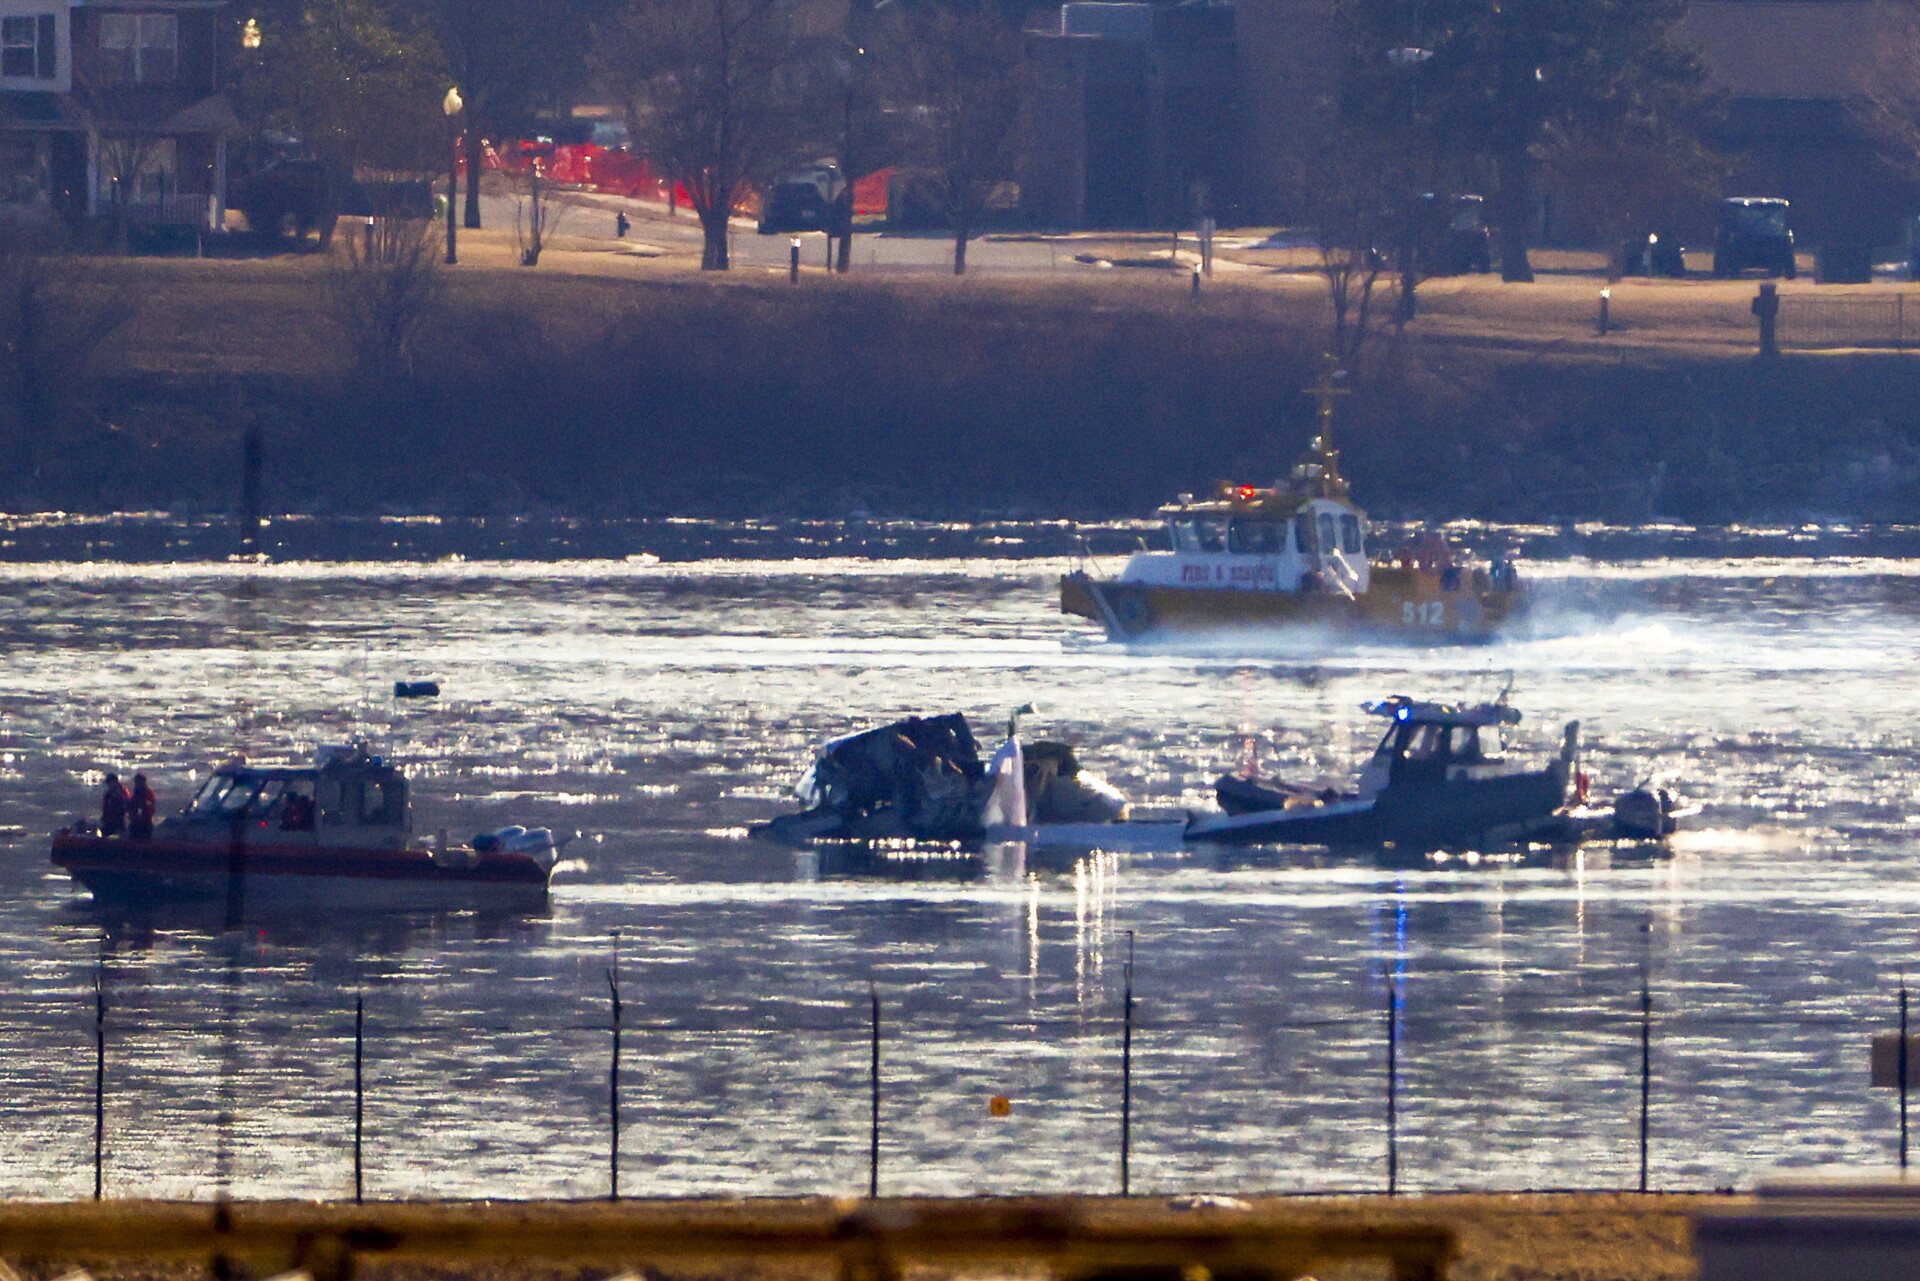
column 334, row 1104
column 1811, row 322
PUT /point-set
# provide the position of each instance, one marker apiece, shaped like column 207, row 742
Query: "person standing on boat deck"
column 298, row 814
column 144, row 804
column 114, row 804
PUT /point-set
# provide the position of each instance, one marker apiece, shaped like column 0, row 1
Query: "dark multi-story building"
column 1135, row 102
column 113, row 108
column 1135, row 116
column 1795, row 72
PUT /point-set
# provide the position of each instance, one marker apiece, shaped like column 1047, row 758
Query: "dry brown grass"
column 266, row 315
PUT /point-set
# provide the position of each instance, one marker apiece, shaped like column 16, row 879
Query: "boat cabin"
column 1302, row 534
column 1436, row 743
column 347, row 797
column 1260, row 539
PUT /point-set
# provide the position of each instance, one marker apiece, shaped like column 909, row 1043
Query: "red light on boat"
column 1246, row 491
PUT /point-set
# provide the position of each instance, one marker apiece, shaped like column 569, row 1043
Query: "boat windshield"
column 1350, row 541
column 1423, row 742
column 1329, row 533
column 225, row 795
column 1258, row 537
column 1199, row 533
column 1303, row 531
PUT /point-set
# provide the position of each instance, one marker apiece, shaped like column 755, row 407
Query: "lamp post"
column 452, row 105
column 848, row 68
column 1407, row 61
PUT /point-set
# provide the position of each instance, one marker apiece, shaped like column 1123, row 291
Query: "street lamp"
column 847, row 66
column 1407, row 60
column 452, row 106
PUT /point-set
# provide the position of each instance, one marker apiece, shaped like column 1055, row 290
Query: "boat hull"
column 1404, row 602
column 293, row 877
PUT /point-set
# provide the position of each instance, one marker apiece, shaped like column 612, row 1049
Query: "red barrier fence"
column 621, row 173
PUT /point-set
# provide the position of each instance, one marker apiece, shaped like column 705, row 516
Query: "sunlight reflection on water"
column 662, row 709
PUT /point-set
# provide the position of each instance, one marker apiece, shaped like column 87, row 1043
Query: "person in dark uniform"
column 114, row 804
column 144, row 804
column 298, row 814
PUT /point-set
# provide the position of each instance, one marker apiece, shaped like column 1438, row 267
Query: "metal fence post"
column 359, row 1095
column 873, row 1120
column 1126, row 1077
column 1901, row 1065
column 1646, row 1071
column 99, row 1082
column 613, row 1096
column 1393, row 1086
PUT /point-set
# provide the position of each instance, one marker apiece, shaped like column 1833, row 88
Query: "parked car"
column 1456, row 235
column 1654, row 254
column 809, row 200
column 1753, row 233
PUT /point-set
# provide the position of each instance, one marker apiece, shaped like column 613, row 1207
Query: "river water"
column 660, row 708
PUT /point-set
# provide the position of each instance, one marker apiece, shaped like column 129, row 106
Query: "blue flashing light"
column 1403, row 713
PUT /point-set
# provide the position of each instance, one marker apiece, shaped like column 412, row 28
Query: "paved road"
column 593, row 218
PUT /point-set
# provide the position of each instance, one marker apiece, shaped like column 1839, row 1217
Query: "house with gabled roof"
column 114, row 109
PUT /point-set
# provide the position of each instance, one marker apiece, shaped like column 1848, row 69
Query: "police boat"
column 1439, row 778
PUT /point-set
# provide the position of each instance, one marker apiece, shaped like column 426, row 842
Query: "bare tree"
column 1888, row 106
column 1355, row 205
column 382, row 286
column 536, row 212
column 54, row 317
column 955, row 71
column 125, row 155
column 716, row 93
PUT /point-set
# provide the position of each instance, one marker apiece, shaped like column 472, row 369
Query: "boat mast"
column 1320, row 467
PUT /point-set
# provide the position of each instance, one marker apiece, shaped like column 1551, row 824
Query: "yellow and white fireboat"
column 1296, row 554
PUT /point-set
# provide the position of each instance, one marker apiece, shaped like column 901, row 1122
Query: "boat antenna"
column 1324, row 392
column 1013, row 721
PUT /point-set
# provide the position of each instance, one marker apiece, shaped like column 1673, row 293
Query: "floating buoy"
column 416, row 689
column 1000, row 1105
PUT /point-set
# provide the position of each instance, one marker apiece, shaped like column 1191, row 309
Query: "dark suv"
column 812, row 200
column 1454, row 229
column 1753, row 233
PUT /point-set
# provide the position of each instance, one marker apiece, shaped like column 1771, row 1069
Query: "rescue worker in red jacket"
column 144, row 806
column 114, row 804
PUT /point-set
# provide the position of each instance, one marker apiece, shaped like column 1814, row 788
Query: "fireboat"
column 1294, row 554
column 335, row 834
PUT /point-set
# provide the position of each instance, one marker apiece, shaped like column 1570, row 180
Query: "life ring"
column 1133, row 611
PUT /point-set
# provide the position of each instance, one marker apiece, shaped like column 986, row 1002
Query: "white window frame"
column 136, row 34
column 31, row 21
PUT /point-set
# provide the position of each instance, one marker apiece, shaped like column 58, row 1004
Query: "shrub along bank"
column 600, row 396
